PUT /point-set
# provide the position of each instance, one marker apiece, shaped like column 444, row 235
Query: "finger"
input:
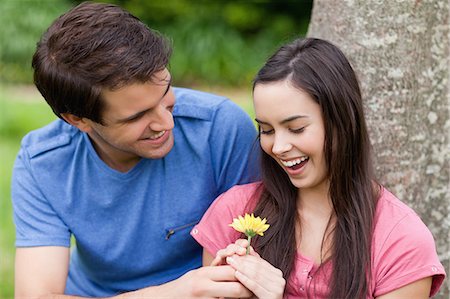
column 242, row 242
column 252, row 285
column 227, row 289
column 235, row 249
column 253, row 263
column 222, row 282
column 228, row 251
column 272, row 287
column 259, row 270
column 219, row 273
column 218, row 260
column 220, row 256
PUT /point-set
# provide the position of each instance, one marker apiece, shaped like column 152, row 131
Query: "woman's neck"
column 315, row 201
column 316, row 222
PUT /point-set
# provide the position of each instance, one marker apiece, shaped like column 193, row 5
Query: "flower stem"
column 249, row 238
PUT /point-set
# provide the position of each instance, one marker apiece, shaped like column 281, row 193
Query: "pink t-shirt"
column 403, row 249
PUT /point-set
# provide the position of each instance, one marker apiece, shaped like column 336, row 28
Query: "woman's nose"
column 281, row 144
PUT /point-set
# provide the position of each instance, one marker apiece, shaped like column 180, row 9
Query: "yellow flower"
column 250, row 225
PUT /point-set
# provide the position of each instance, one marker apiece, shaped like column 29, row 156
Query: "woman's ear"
column 83, row 124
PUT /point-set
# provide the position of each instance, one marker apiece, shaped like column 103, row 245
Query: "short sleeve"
column 36, row 222
column 407, row 254
column 213, row 231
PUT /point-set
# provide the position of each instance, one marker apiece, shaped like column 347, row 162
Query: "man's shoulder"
column 201, row 105
column 50, row 137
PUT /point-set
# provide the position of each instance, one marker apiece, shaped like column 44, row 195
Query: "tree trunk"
column 400, row 51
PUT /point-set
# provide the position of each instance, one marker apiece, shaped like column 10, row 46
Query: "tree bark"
column 400, row 51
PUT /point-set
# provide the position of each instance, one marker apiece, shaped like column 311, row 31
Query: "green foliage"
column 8, row 150
column 222, row 42
column 215, row 41
column 19, row 114
column 22, row 22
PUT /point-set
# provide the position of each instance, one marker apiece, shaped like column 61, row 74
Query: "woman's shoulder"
column 214, row 232
column 403, row 248
column 250, row 189
column 398, row 227
column 389, row 207
column 393, row 215
column 240, row 197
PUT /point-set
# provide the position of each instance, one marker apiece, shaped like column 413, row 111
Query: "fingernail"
column 230, row 260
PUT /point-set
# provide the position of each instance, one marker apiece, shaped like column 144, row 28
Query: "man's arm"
column 41, row 272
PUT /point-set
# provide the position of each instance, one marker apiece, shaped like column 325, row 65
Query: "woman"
column 334, row 231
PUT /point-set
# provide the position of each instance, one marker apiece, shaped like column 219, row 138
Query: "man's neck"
column 122, row 163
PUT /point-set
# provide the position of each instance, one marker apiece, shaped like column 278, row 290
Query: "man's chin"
column 161, row 151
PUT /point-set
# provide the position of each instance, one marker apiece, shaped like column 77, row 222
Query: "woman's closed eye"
column 297, row 131
column 265, row 130
column 268, row 131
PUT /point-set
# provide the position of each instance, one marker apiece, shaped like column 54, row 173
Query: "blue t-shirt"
column 131, row 229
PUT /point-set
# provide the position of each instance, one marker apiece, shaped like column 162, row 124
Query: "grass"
column 22, row 110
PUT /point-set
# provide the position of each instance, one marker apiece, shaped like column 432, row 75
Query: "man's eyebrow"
column 136, row 115
column 286, row 120
column 169, row 83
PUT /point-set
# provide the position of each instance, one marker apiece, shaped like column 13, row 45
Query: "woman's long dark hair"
column 321, row 69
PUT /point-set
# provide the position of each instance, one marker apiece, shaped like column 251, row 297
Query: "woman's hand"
column 258, row 275
column 238, row 248
column 255, row 273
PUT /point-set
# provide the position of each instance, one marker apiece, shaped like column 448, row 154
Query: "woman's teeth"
column 294, row 162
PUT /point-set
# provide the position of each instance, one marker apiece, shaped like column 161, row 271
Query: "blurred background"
column 215, row 41
column 218, row 46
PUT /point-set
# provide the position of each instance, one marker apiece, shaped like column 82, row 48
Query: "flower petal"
column 250, row 225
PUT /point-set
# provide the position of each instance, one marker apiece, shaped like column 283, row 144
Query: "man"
column 128, row 170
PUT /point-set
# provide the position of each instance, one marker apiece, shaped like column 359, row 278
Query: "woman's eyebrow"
column 286, row 120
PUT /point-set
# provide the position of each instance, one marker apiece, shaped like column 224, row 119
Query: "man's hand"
column 205, row 282
column 41, row 272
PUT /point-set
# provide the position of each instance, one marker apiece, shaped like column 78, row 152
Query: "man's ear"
column 83, row 124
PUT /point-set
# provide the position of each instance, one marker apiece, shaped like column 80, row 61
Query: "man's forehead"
column 161, row 77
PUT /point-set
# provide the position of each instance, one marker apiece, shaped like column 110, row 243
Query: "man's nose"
column 162, row 119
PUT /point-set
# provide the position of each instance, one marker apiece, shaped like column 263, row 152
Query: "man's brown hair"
column 94, row 46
